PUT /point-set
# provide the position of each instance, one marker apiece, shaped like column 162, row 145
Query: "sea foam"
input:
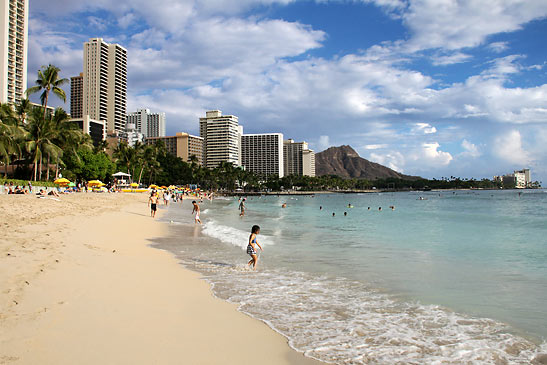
column 233, row 236
column 342, row 321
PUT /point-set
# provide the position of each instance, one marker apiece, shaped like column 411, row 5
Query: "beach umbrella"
column 164, row 187
column 153, row 186
column 134, row 185
column 172, row 187
column 121, row 174
column 95, row 183
column 71, row 184
column 62, row 181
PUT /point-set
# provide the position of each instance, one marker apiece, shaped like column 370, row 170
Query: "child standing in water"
column 251, row 248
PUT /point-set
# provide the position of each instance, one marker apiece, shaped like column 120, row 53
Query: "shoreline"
column 369, row 191
column 77, row 294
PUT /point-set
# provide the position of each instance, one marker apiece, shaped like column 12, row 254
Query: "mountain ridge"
column 345, row 162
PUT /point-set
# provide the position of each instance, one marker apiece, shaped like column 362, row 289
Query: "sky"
column 434, row 88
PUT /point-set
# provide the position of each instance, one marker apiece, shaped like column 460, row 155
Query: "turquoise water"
column 458, row 276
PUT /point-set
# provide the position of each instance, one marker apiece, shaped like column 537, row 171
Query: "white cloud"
column 450, row 59
column 415, row 159
column 215, row 49
column 423, row 128
column 375, row 146
column 470, row 150
column 323, row 143
column 432, row 156
column 97, row 23
column 394, row 160
column 498, row 47
column 504, row 66
column 453, row 25
column 509, row 148
column 126, row 20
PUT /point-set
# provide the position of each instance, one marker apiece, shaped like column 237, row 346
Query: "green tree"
column 68, row 136
column 87, row 165
column 41, row 135
column 48, row 80
column 22, row 109
column 124, row 155
column 8, row 143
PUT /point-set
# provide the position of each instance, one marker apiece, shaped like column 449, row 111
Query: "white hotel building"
column 263, row 153
column 298, row 158
column 221, row 139
column 148, row 124
column 14, row 45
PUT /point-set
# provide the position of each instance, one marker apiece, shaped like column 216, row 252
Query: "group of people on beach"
column 153, row 202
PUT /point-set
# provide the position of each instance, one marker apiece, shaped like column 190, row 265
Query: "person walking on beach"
column 242, row 208
column 251, row 248
column 196, row 210
column 153, row 202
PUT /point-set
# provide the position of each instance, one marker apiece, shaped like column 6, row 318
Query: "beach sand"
column 80, row 285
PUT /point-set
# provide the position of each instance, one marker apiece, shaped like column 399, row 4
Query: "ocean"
column 444, row 277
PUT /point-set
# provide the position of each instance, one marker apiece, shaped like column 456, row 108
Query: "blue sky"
column 427, row 87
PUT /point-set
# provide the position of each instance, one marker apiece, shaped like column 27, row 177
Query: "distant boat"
column 426, row 188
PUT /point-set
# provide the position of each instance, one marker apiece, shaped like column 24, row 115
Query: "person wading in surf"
column 251, row 248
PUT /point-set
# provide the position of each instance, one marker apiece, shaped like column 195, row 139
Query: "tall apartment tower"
column 105, row 83
column 149, row 124
column 263, row 153
column 13, row 45
column 221, row 138
column 298, row 158
column 182, row 145
column 77, row 96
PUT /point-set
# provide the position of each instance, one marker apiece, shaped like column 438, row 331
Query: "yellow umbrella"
column 95, row 182
column 134, row 185
column 153, row 186
column 172, row 187
column 62, row 181
column 164, row 187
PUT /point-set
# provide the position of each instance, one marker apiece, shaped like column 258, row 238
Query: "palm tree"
column 10, row 135
column 68, row 136
column 148, row 158
column 22, row 109
column 124, row 155
column 48, row 80
column 41, row 136
column 8, row 143
column 100, row 147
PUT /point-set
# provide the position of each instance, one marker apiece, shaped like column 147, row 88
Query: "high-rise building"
column 95, row 128
column 132, row 134
column 298, row 158
column 263, row 153
column 77, row 96
column 13, row 45
column 182, row 145
column 149, row 124
column 221, row 138
column 105, row 83
column 523, row 178
column 308, row 162
column 520, row 179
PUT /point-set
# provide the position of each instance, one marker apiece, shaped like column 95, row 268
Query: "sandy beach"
column 80, row 285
